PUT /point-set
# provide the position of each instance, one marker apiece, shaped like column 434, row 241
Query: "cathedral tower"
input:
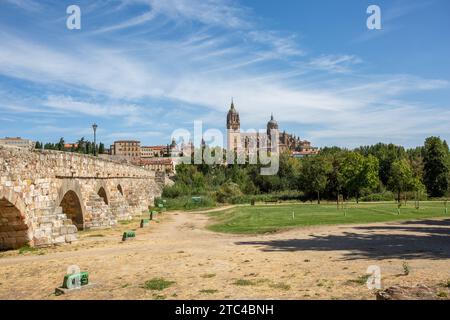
column 233, row 129
column 272, row 128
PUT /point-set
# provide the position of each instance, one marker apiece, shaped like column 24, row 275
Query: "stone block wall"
column 45, row 196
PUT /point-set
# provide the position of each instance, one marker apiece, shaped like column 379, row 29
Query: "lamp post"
column 95, row 126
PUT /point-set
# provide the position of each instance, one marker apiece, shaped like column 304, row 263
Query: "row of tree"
column 81, row 146
column 335, row 173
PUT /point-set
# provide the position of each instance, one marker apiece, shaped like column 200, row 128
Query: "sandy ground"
column 304, row 263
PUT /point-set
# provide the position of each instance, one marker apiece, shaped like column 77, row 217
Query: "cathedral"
column 242, row 141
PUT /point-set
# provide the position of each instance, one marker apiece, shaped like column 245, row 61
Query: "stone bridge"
column 47, row 196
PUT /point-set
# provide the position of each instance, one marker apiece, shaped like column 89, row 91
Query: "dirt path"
column 307, row 263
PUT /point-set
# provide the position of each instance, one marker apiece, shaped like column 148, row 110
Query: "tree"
column 359, row 172
column 60, row 145
column 101, row 148
column 386, row 155
column 314, row 175
column 401, row 178
column 436, row 167
column 335, row 179
column 81, row 146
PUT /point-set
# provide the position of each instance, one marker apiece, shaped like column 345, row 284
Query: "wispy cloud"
column 29, row 5
column 334, row 63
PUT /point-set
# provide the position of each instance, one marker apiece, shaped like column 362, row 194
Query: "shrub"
column 186, row 203
column 175, row 191
column 383, row 196
column 279, row 196
column 227, row 192
column 27, row 248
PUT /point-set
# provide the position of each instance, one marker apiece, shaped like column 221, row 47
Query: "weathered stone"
column 46, row 196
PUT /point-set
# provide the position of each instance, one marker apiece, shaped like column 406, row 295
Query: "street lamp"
column 95, row 126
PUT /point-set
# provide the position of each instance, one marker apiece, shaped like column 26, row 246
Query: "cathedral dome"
column 272, row 124
column 233, row 121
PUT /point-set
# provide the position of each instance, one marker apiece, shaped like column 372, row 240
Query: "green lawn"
column 271, row 218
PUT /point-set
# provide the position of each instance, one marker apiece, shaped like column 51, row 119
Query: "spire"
column 271, row 116
column 232, row 103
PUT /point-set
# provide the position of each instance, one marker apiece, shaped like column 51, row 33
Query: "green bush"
column 383, row 196
column 227, row 192
column 176, row 190
column 280, row 196
column 389, row 196
column 186, row 203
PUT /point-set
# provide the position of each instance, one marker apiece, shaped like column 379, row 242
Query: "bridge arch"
column 102, row 188
column 71, row 200
column 120, row 189
column 14, row 230
column 102, row 194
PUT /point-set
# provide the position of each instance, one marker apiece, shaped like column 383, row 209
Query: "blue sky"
column 144, row 68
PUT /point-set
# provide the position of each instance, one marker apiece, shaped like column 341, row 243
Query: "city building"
column 248, row 141
column 17, row 142
column 154, row 151
column 129, row 150
column 166, row 165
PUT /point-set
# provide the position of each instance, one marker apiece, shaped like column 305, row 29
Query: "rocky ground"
column 327, row 262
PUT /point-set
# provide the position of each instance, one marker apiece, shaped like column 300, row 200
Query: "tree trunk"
column 399, row 199
column 418, row 200
column 318, row 197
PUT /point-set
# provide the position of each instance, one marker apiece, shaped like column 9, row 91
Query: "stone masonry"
column 47, row 196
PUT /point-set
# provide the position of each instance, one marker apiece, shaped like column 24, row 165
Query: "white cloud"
column 70, row 105
column 219, row 13
column 204, row 67
column 334, row 63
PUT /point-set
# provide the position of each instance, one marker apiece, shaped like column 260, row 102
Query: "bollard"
column 145, row 223
column 75, row 280
column 129, row 235
column 153, row 213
